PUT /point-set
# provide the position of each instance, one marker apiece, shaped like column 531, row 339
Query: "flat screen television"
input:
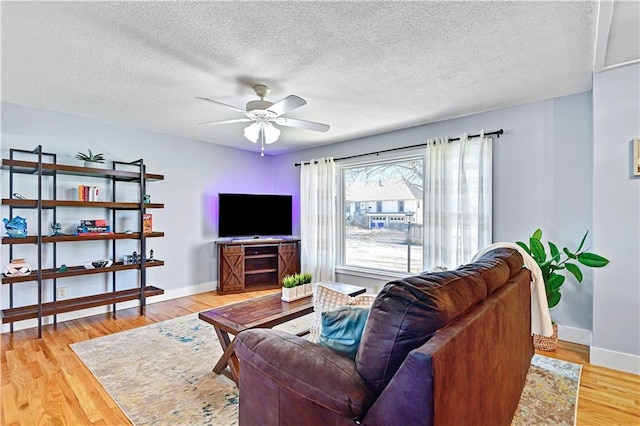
column 253, row 215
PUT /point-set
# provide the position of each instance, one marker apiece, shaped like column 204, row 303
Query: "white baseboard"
column 615, row 360
column 168, row 295
column 574, row 335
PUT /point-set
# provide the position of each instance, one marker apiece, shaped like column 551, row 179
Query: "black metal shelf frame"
column 50, row 168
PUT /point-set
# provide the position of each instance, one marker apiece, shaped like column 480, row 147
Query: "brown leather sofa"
column 446, row 348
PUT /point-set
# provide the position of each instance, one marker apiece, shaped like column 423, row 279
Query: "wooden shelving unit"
column 46, row 166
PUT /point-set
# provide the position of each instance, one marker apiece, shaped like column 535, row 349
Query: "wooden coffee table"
column 261, row 312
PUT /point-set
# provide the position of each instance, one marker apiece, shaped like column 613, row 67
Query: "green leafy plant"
column 306, row 277
column 557, row 263
column 294, row 280
column 289, row 281
column 91, row 157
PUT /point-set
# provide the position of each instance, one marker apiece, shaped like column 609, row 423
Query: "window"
column 383, row 221
column 419, row 211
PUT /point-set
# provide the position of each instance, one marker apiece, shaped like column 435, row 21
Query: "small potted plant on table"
column 553, row 267
column 296, row 286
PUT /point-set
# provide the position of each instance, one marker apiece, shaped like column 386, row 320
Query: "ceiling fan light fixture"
column 271, row 133
column 252, row 132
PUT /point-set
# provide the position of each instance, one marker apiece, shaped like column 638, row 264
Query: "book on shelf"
column 147, row 223
column 88, row 193
column 93, row 222
column 91, row 234
column 84, row 229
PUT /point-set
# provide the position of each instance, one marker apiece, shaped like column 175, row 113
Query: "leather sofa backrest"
column 408, row 312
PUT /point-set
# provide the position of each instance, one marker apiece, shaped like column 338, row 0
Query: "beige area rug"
column 161, row 374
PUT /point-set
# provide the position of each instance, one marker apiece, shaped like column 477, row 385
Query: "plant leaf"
column 575, row 270
column 537, row 250
column 553, row 300
column 537, row 234
column 555, row 253
column 569, row 254
column 592, row 260
column 583, row 240
column 555, row 281
column 524, row 247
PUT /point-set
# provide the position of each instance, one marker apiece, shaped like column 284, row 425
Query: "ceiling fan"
column 264, row 114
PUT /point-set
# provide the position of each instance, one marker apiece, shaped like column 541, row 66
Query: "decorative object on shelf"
column 296, row 286
column 56, row 229
column 146, row 199
column 150, row 256
column 17, row 268
column 98, row 264
column 18, row 196
column 134, row 257
column 16, row 227
column 551, row 268
column 91, row 160
column 147, row 223
column 62, row 268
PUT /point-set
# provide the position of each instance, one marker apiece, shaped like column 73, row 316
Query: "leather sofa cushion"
column 319, row 374
column 496, row 267
column 407, row 313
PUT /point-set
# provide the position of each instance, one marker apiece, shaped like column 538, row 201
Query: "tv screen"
column 251, row 215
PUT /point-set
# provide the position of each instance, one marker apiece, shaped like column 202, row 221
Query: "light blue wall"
column 195, row 172
column 616, row 305
column 542, row 178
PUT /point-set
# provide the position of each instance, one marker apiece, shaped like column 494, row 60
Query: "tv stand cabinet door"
column 288, row 260
column 231, row 260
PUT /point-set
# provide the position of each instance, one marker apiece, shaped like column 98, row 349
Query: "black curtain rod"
column 497, row 133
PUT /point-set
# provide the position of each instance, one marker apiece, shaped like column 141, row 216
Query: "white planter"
column 288, row 294
column 295, row 293
column 307, row 289
column 94, row 165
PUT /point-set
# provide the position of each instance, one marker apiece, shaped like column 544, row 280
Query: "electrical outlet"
column 62, row 292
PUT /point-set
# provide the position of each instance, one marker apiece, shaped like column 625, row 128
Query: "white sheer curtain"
column 458, row 199
column 318, row 218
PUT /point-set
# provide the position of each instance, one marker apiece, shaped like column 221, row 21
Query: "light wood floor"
column 43, row 382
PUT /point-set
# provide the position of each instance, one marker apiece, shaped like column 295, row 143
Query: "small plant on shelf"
column 91, row 157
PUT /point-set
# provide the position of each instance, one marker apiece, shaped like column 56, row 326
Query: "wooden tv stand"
column 256, row 264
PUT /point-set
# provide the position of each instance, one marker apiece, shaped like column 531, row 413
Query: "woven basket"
column 547, row 344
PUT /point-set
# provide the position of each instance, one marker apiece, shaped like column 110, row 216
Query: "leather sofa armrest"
column 314, row 372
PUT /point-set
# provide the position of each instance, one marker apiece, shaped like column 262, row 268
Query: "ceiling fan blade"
column 287, row 104
column 237, row 120
column 220, row 103
column 309, row 125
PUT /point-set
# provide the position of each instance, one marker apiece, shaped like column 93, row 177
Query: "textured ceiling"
column 363, row 67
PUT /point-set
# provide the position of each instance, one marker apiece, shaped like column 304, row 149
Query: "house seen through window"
column 383, row 223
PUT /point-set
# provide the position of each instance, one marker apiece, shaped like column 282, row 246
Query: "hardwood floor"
column 43, row 382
